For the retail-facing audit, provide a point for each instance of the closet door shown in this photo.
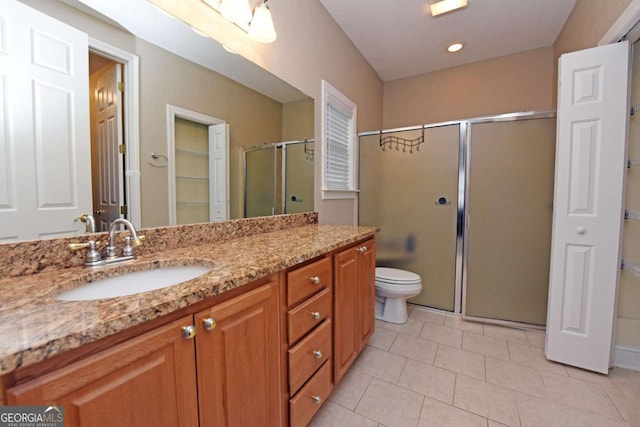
(587, 221)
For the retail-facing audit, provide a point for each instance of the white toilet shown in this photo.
(393, 287)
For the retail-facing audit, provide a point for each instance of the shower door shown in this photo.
(410, 191)
(260, 182)
(509, 213)
(298, 177)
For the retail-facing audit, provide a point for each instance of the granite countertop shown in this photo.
(35, 326)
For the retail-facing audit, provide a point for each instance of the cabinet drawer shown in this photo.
(306, 281)
(304, 405)
(307, 356)
(308, 315)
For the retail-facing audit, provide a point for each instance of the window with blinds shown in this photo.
(340, 149)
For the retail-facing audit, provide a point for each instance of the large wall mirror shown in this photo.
(191, 92)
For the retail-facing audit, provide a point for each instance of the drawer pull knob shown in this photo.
(317, 354)
(316, 399)
(209, 323)
(315, 280)
(362, 249)
(188, 332)
(315, 315)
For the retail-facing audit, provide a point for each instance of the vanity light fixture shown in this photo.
(455, 47)
(258, 24)
(438, 7)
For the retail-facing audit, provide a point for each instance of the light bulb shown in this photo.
(237, 11)
(261, 28)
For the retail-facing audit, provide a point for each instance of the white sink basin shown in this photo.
(133, 283)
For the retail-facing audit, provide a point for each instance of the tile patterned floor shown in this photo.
(438, 370)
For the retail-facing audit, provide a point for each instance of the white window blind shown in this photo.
(338, 171)
(339, 145)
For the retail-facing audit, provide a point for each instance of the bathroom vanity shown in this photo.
(261, 339)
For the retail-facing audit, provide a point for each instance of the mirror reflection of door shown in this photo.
(107, 153)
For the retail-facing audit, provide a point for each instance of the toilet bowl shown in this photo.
(393, 287)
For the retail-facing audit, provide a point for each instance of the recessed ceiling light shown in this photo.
(455, 47)
(444, 6)
(200, 33)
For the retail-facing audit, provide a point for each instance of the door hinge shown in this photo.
(121, 86)
(123, 210)
(122, 149)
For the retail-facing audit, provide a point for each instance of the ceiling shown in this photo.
(400, 38)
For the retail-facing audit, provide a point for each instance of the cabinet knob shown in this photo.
(362, 249)
(317, 354)
(315, 280)
(316, 399)
(209, 323)
(315, 315)
(188, 332)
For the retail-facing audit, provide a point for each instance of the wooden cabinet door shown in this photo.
(238, 360)
(345, 312)
(367, 299)
(149, 380)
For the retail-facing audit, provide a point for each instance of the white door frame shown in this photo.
(131, 100)
(623, 24)
(174, 113)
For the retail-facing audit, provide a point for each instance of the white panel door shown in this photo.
(588, 205)
(45, 125)
(218, 172)
(108, 127)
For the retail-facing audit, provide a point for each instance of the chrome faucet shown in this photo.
(93, 258)
(112, 251)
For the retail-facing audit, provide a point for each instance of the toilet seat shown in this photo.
(396, 277)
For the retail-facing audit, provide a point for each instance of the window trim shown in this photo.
(330, 95)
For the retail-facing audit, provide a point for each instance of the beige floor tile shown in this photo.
(628, 406)
(462, 361)
(506, 334)
(438, 414)
(427, 316)
(390, 405)
(541, 412)
(380, 364)
(456, 322)
(627, 380)
(412, 327)
(600, 421)
(488, 346)
(332, 415)
(380, 323)
(496, 424)
(351, 388)
(428, 380)
(414, 348)
(382, 338)
(515, 377)
(584, 375)
(536, 339)
(488, 400)
(580, 394)
(442, 335)
(533, 357)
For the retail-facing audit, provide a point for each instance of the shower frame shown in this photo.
(283, 170)
(464, 184)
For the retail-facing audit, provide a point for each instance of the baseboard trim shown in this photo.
(626, 357)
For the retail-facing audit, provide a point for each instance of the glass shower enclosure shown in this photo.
(467, 205)
(278, 178)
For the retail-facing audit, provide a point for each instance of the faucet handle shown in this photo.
(92, 257)
(141, 239)
(77, 246)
